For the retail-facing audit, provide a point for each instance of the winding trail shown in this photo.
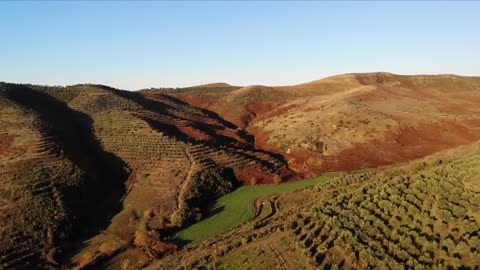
(188, 177)
(132, 180)
(259, 204)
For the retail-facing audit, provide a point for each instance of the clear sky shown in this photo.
(133, 45)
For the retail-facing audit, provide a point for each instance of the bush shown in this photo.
(205, 187)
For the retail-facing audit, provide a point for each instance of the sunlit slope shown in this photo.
(135, 157)
(354, 120)
(422, 215)
(115, 174)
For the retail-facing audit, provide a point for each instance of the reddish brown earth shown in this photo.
(135, 157)
(7, 140)
(427, 114)
(146, 147)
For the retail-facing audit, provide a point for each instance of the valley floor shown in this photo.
(235, 208)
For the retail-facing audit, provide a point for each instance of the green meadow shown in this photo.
(236, 208)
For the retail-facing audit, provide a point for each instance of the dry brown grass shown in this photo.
(390, 117)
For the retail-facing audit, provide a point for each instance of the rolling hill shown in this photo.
(418, 215)
(133, 158)
(353, 121)
(93, 176)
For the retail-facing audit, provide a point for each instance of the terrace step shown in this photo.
(22, 260)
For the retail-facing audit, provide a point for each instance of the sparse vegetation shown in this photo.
(409, 216)
(107, 177)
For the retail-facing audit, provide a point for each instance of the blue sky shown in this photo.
(133, 45)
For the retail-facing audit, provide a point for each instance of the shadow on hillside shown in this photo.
(209, 114)
(212, 211)
(180, 242)
(72, 131)
(250, 139)
(163, 108)
(219, 141)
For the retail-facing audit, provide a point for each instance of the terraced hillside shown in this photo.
(93, 176)
(422, 215)
(51, 172)
(352, 121)
(154, 150)
(28, 194)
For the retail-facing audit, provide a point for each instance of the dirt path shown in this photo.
(259, 203)
(183, 187)
(131, 180)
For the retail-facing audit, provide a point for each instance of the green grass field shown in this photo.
(236, 208)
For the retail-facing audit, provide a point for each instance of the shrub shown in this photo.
(204, 188)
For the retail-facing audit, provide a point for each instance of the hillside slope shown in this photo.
(419, 215)
(52, 171)
(140, 159)
(353, 121)
(94, 176)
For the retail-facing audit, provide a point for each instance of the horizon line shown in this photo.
(242, 86)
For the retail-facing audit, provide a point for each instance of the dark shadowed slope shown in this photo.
(54, 173)
(162, 145)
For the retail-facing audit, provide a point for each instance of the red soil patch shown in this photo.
(216, 104)
(254, 175)
(264, 110)
(194, 133)
(405, 144)
(6, 142)
(203, 101)
(240, 114)
(409, 141)
(475, 123)
(200, 101)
